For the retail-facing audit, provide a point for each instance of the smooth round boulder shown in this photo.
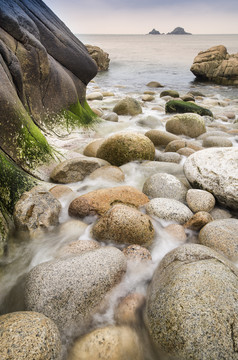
(176, 145)
(91, 149)
(108, 343)
(154, 84)
(124, 224)
(216, 141)
(216, 171)
(172, 93)
(122, 148)
(111, 117)
(98, 202)
(222, 236)
(165, 186)
(200, 200)
(147, 97)
(168, 157)
(61, 191)
(28, 335)
(192, 305)
(76, 169)
(96, 95)
(69, 290)
(188, 124)
(78, 247)
(169, 209)
(159, 137)
(36, 210)
(128, 106)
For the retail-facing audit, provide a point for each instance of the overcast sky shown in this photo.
(140, 16)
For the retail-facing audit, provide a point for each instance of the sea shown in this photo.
(136, 60)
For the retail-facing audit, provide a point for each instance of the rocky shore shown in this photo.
(125, 244)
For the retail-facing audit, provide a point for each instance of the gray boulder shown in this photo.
(28, 335)
(192, 305)
(216, 171)
(70, 290)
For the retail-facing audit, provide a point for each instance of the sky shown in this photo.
(141, 16)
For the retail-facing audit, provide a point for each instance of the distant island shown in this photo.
(177, 31)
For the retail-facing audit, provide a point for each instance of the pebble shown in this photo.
(200, 200)
(137, 253)
(94, 96)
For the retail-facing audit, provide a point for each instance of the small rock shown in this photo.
(169, 209)
(168, 157)
(219, 214)
(78, 247)
(94, 96)
(171, 93)
(147, 97)
(154, 84)
(60, 191)
(150, 121)
(92, 148)
(109, 173)
(159, 137)
(165, 186)
(111, 117)
(123, 224)
(185, 151)
(216, 141)
(198, 220)
(76, 169)
(72, 229)
(177, 232)
(200, 200)
(175, 145)
(137, 253)
(28, 335)
(222, 236)
(111, 342)
(128, 106)
(126, 312)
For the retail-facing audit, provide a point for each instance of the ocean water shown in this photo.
(137, 59)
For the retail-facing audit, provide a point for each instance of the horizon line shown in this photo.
(76, 33)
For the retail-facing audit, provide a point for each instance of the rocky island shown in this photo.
(178, 31)
(154, 32)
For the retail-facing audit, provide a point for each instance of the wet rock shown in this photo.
(175, 145)
(29, 336)
(92, 148)
(200, 200)
(216, 65)
(154, 84)
(222, 236)
(109, 173)
(177, 232)
(216, 171)
(123, 224)
(137, 253)
(36, 210)
(60, 191)
(171, 93)
(111, 117)
(165, 186)
(4, 233)
(127, 106)
(147, 97)
(76, 169)
(213, 133)
(72, 229)
(168, 157)
(198, 220)
(78, 247)
(99, 56)
(121, 148)
(127, 310)
(52, 288)
(191, 310)
(179, 106)
(111, 342)
(159, 137)
(94, 96)
(187, 97)
(191, 125)
(150, 121)
(219, 214)
(99, 201)
(169, 209)
(185, 151)
(216, 141)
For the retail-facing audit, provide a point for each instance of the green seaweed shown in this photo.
(13, 182)
(79, 115)
(179, 106)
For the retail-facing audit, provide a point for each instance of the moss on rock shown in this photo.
(179, 106)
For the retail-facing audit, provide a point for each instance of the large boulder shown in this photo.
(28, 335)
(124, 224)
(98, 202)
(216, 65)
(192, 305)
(44, 70)
(69, 290)
(122, 148)
(99, 56)
(216, 171)
(188, 124)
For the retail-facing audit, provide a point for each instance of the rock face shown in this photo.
(222, 236)
(69, 290)
(216, 65)
(122, 148)
(191, 125)
(44, 70)
(111, 342)
(179, 31)
(99, 56)
(99, 201)
(191, 310)
(216, 171)
(29, 336)
(123, 224)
